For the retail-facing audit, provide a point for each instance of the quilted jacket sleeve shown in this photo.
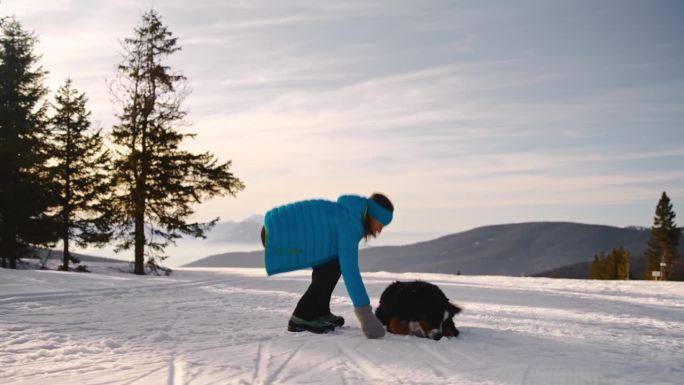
(349, 265)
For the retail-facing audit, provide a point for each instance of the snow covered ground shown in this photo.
(228, 326)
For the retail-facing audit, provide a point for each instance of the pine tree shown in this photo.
(622, 263)
(602, 270)
(25, 194)
(664, 240)
(595, 272)
(81, 173)
(610, 266)
(156, 182)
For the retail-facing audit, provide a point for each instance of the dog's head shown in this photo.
(434, 326)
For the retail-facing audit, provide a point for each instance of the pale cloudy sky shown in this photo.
(465, 113)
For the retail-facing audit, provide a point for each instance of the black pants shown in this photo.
(316, 300)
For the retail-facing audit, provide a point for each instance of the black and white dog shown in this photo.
(417, 308)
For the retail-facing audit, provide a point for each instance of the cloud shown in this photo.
(458, 105)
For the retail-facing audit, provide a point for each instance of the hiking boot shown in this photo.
(317, 326)
(332, 319)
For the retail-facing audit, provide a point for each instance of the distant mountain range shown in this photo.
(246, 231)
(511, 249)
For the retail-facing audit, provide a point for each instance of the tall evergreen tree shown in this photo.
(609, 266)
(25, 195)
(621, 258)
(81, 173)
(156, 181)
(664, 241)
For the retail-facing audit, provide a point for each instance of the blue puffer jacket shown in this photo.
(309, 233)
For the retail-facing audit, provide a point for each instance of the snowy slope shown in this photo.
(227, 326)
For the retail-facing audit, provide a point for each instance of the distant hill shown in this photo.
(233, 259)
(511, 249)
(578, 270)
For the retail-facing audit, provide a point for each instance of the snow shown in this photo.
(228, 326)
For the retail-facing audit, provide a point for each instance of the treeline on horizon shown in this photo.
(63, 180)
(662, 256)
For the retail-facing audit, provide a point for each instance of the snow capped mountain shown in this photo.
(245, 231)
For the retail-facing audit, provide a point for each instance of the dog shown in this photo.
(417, 308)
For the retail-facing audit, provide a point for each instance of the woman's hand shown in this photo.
(370, 325)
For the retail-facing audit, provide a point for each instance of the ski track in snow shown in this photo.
(228, 326)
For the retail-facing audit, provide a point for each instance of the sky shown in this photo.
(464, 113)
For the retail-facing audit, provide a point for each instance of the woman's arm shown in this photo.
(349, 265)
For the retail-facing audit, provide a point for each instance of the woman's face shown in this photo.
(375, 226)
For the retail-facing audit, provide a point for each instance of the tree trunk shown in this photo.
(140, 201)
(12, 251)
(9, 246)
(67, 200)
(139, 240)
(3, 250)
(3, 253)
(66, 256)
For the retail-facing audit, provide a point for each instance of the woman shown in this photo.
(325, 235)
